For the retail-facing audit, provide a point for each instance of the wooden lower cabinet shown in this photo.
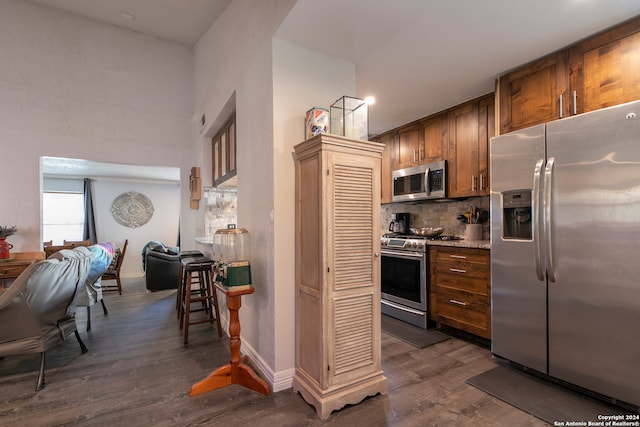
(460, 289)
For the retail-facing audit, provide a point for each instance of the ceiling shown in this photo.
(416, 57)
(77, 168)
(183, 21)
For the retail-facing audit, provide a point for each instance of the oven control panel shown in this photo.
(403, 244)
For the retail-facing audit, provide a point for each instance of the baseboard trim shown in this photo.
(278, 381)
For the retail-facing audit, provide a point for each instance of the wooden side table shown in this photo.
(235, 372)
(11, 268)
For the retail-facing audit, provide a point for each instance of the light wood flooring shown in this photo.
(138, 373)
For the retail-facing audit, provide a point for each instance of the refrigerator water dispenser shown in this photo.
(516, 207)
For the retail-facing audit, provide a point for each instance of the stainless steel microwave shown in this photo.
(421, 182)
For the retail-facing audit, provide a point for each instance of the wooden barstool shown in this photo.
(182, 255)
(198, 271)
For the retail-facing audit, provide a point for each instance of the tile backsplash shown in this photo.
(220, 209)
(436, 214)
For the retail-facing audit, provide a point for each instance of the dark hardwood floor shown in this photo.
(138, 373)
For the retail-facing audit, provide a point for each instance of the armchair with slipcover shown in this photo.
(37, 311)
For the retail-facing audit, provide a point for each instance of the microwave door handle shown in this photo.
(427, 183)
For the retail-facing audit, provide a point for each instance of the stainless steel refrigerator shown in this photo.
(565, 250)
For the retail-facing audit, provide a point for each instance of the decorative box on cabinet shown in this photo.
(337, 272)
(460, 288)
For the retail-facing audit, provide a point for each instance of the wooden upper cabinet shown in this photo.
(471, 125)
(435, 131)
(410, 146)
(389, 162)
(224, 153)
(595, 73)
(463, 150)
(486, 131)
(606, 68)
(531, 94)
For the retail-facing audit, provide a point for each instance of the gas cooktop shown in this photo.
(416, 237)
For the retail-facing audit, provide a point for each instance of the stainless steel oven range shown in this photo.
(405, 277)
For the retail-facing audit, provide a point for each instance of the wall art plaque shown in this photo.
(132, 209)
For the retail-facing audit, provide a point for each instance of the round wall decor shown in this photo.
(132, 209)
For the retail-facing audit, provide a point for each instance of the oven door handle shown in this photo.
(399, 254)
(403, 308)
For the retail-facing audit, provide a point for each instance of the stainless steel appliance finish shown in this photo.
(421, 182)
(405, 277)
(427, 231)
(565, 239)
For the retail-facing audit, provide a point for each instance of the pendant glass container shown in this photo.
(350, 118)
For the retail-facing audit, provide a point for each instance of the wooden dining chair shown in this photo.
(113, 273)
(76, 243)
(48, 250)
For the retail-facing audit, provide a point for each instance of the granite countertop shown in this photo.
(477, 244)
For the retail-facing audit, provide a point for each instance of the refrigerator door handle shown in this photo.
(548, 181)
(537, 219)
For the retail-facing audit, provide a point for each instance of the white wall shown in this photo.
(274, 84)
(72, 87)
(301, 79)
(234, 57)
(163, 225)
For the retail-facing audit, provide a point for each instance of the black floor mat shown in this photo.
(415, 336)
(543, 399)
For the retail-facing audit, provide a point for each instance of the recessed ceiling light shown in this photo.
(127, 15)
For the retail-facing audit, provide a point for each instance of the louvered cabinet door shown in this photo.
(353, 224)
(337, 272)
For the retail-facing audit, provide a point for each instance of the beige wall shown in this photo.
(233, 61)
(72, 87)
(271, 84)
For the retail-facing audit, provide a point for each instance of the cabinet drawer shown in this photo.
(11, 271)
(460, 257)
(463, 314)
(475, 287)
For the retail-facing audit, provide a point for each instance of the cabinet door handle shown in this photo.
(575, 103)
(421, 154)
(457, 270)
(458, 256)
(481, 183)
(414, 156)
(473, 183)
(454, 301)
(560, 115)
